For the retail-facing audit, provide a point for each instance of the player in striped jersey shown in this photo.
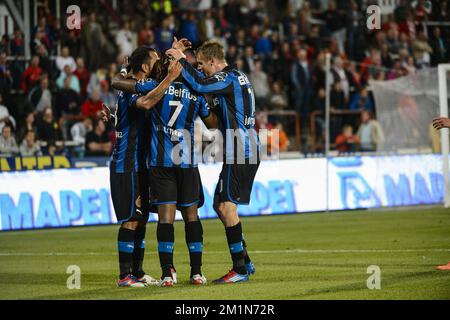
(173, 174)
(234, 96)
(128, 178)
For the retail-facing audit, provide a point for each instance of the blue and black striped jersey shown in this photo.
(234, 95)
(129, 148)
(172, 125)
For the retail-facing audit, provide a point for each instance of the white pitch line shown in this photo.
(224, 252)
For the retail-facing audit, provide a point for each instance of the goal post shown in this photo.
(443, 70)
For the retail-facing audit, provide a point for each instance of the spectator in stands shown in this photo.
(8, 144)
(124, 39)
(29, 146)
(319, 107)
(42, 33)
(335, 23)
(283, 140)
(339, 74)
(258, 79)
(5, 117)
(45, 62)
(17, 44)
(80, 130)
(40, 97)
(93, 42)
(164, 35)
(72, 40)
(32, 74)
(408, 26)
(397, 71)
(353, 76)
(301, 83)
(438, 46)
(92, 106)
(67, 73)
(97, 141)
(65, 59)
(370, 133)
(146, 37)
(232, 53)
(362, 100)
(410, 66)
(207, 26)
(404, 43)
(67, 100)
(48, 128)
(189, 29)
(249, 59)
(82, 73)
(422, 51)
(28, 124)
(6, 78)
(106, 96)
(353, 20)
(338, 101)
(264, 45)
(347, 141)
(278, 97)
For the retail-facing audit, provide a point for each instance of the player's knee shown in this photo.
(217, 208)
(131, 225)
(190, 214)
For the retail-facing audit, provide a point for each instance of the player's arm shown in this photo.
(441, 122)
(211, 121)
(120, 82)
(149, 100)
(208, 116)
(216, 84)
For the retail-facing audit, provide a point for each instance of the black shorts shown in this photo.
(174, 185)
(130, 195)
(235, 183)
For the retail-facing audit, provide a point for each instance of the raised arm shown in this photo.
(152, 98)
(218, 83)
(120, 82)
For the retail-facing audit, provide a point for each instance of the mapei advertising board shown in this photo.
(74, 197)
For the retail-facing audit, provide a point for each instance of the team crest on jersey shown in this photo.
(220, 76)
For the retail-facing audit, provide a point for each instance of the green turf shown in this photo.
(304, 256)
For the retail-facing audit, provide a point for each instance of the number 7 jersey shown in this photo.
(171, 135)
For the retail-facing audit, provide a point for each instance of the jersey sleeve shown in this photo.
(203, 110)
(219, 83)
(145, 86)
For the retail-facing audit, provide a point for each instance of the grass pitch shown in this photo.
(303, 256)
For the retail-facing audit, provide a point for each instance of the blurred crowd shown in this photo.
(281, 45)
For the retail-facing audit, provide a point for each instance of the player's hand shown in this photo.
(106, 113)
(175, 54)
(441, 122)
(182, 44)
(125, 62)
(174, 69)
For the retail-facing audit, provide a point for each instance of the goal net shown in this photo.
(405, 108)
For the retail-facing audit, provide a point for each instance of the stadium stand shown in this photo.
(281, 45)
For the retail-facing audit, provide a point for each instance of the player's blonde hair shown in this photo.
(212, 49)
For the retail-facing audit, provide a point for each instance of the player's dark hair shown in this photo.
(161, 69)
(139, 57)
